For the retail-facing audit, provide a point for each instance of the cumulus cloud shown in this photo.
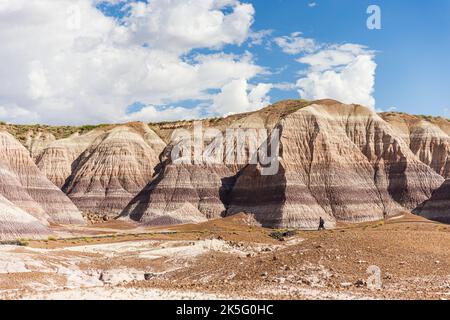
(342, 72)
(66, 62)
(261, 37)
(237, 97)
(155, 114)
(180, 26)
(295, 43)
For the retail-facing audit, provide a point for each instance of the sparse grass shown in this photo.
(19, 242)
(282, 108)
(23, 242)
(87, 128)
(51, 238)
(280, 235)
(420, 116)
(20, 132)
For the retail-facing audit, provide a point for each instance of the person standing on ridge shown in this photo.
(321, 224)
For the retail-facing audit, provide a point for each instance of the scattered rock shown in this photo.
(281, 235)
(387, 276)
(360, 283)
(149, 276)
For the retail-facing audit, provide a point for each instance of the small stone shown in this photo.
(306, 281)
(148, 276)
(360, 283)
(361, 261)
(281, 280)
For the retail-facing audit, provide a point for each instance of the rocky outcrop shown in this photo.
(339, 162)
(191, 192)
(181, 193)
(114, 169)
(57, 160)
(16, 223)
(428, 138)
(37, 141)
(22, 184)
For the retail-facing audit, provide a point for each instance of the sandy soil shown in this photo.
(232, 259)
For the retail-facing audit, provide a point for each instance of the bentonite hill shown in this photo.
(344, 163)
(106, 211)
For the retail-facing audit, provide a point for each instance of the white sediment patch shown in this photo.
(119, 293)
(66, 278)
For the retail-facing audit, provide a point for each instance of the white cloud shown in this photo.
(14, 114)
(389, 109)
(334, 56)
(312, 4)
(66, 62)
(237, 97)
(285, 86)
(179, 25)
(155, 114)
(295, 44)
(258, 38)
(342, 72)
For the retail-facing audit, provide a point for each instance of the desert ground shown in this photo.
(231, 258)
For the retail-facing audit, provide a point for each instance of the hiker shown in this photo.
(321, 224)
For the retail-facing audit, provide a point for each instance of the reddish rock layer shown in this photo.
(16, 223)
(113, 169)
(428, 139)
(26, 187)
(339, 162)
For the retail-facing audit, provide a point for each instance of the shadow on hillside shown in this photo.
(262, 196)
(136, 208)
(436, 208)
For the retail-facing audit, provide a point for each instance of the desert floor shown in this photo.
(232, 259)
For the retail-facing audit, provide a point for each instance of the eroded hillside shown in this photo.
(344, 163)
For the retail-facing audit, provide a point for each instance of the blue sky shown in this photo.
(413, 46)
(97, 61)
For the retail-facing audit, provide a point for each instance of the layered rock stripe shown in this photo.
(15, 223)
(28, 197)
(428, 138)
(339, 162)
(191, 193)
(113, 169)
(344, 163)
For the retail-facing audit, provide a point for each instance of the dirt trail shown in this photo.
(232, 258)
